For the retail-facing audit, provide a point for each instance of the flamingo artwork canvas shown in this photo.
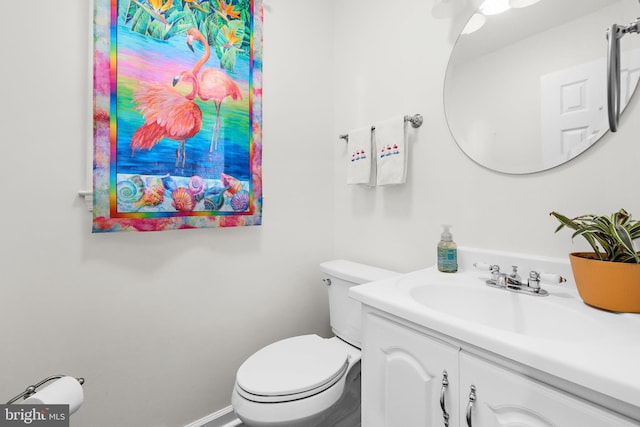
(177, 120)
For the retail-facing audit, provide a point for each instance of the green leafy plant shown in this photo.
(610, 237)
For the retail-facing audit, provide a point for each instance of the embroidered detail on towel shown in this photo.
(358, 155)
(389, 151)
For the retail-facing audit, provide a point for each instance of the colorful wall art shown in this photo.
(177, 114)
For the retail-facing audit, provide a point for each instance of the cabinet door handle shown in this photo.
(445, 384)
(472, 399)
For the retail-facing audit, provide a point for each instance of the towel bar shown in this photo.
(416, 121)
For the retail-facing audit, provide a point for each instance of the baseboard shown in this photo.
(225, 417)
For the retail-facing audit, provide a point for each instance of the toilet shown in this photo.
(301, 381)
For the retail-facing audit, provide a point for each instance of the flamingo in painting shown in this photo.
(168, 114)
(213, 84)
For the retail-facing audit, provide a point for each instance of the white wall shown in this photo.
(157, 323)
(391, 59)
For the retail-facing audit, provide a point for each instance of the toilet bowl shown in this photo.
(293, 382)
(301, 381)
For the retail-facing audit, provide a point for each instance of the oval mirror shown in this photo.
(525, 88)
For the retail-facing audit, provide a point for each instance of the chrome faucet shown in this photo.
(513, 282)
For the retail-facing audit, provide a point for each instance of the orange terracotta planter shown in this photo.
(613, 286)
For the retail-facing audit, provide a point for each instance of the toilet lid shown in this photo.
(292, 366)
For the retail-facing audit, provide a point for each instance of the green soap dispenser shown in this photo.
(447, 252)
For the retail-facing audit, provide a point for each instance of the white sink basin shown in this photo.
(534, 316)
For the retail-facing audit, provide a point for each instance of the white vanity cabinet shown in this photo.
(504, 398)
(402, 385)
(402, 376)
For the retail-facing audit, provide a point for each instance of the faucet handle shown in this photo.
(485, 267)
(493, 268)
(535, 278)
(551, 278)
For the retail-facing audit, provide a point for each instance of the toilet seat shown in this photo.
(293, 368)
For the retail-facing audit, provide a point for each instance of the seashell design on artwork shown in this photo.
(198, 186)
(183, 200)
(214, 198)
(234, 184)
(169, 183)
(153, 193)
(240, 201)
(130, 190)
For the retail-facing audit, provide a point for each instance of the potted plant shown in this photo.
(608, 277)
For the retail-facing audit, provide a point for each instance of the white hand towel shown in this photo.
(360, 157)
(391, 151)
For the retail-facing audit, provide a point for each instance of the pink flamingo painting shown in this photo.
(168, 114)
(213, 84)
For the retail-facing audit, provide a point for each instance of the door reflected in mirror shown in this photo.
(526, 91)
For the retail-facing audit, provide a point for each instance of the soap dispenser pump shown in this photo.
(447, 252)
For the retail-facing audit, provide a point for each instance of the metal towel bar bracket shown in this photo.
(416, 121)
(32, 388)
(614, 34)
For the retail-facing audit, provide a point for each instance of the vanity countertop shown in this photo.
(557, 334)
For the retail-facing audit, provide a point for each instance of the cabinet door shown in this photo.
(504, 398)
(402, 376)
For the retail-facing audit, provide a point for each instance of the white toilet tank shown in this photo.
(344, 312)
